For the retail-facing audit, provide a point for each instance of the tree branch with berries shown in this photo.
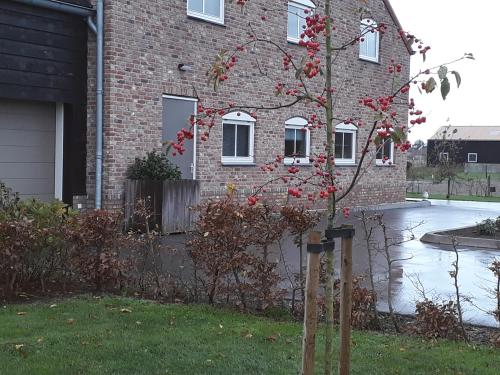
(295, 85)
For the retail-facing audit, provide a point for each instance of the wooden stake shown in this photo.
(345, 306)
(310, 308)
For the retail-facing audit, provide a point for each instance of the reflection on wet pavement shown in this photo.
(430, 263)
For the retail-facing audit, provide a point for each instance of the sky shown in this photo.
(452, 28)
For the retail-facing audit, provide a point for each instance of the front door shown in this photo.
(176, 113)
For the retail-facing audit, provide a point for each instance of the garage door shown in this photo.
(27, 147)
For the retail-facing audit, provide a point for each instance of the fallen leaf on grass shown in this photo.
(272, 338)
(39, 340)
(21, 313)
(125, 310)
(246, 334)
(20, 349)
(52, 306)
(138, 323)
(70, 321)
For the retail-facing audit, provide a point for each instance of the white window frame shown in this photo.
(206, 17)
(368, 22)
(241, 119)
(442, 158)
(390, 160)
(299, 123)
(469, 157)
(301, 4)
(347, 128)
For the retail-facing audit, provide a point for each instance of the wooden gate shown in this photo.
(170, 203)
(179, 197)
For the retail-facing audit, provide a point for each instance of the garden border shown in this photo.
(440, 237)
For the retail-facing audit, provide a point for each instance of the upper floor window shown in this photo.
(237, 138)
(209, 10)
(297, 13)
(385, 153)
(297, 141)
(369, 42)
(345, 144)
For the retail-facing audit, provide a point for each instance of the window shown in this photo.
(297, 141)
(297, 18)
(209, 10)
(443, 157)
(472, 157)
(237, 138)
(385, 153)
(369, 43)
(345, 144)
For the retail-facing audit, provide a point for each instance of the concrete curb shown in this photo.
(441, 238)
(393, 206)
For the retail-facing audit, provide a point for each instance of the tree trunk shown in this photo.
(368, 235)
(457, 291)
(331, 198)
(389, 284)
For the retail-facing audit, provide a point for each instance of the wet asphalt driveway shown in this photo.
(430, 262)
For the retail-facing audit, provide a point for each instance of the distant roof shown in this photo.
(468, 133)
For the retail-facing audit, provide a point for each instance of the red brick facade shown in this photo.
(146, 40)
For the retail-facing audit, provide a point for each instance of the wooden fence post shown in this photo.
(345, 304)
(310, 308)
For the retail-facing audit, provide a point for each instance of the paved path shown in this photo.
(432, 263)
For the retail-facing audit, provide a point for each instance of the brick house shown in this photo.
(156, 53)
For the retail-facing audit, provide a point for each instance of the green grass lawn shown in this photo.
(124, 336)
(470, 198)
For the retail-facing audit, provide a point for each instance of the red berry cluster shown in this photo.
(315, 26)
(394, 68)
(405, 146)
(252, 200)
(419, 120)
(346, 211)
(295, 192)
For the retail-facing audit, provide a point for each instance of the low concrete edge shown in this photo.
(393, 206)
(440, 238)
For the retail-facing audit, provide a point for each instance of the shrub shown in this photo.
(154, 166)
(487, 227)
(98, 253)
(229, 249)
(32, 243)
(498, 223)
(437, 320)
(7, 197)
(363, 301)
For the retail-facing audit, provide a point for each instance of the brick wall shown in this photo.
(145, 40)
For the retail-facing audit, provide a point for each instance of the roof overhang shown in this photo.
(394, 17)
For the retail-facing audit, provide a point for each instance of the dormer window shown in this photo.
(297, 13)
(369, 41)
(208, 10)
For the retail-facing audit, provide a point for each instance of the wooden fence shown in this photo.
(170, 202)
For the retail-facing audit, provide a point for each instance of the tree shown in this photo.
(307, 81)
(444, 155)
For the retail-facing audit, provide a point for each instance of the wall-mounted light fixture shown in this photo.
(185, 67)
